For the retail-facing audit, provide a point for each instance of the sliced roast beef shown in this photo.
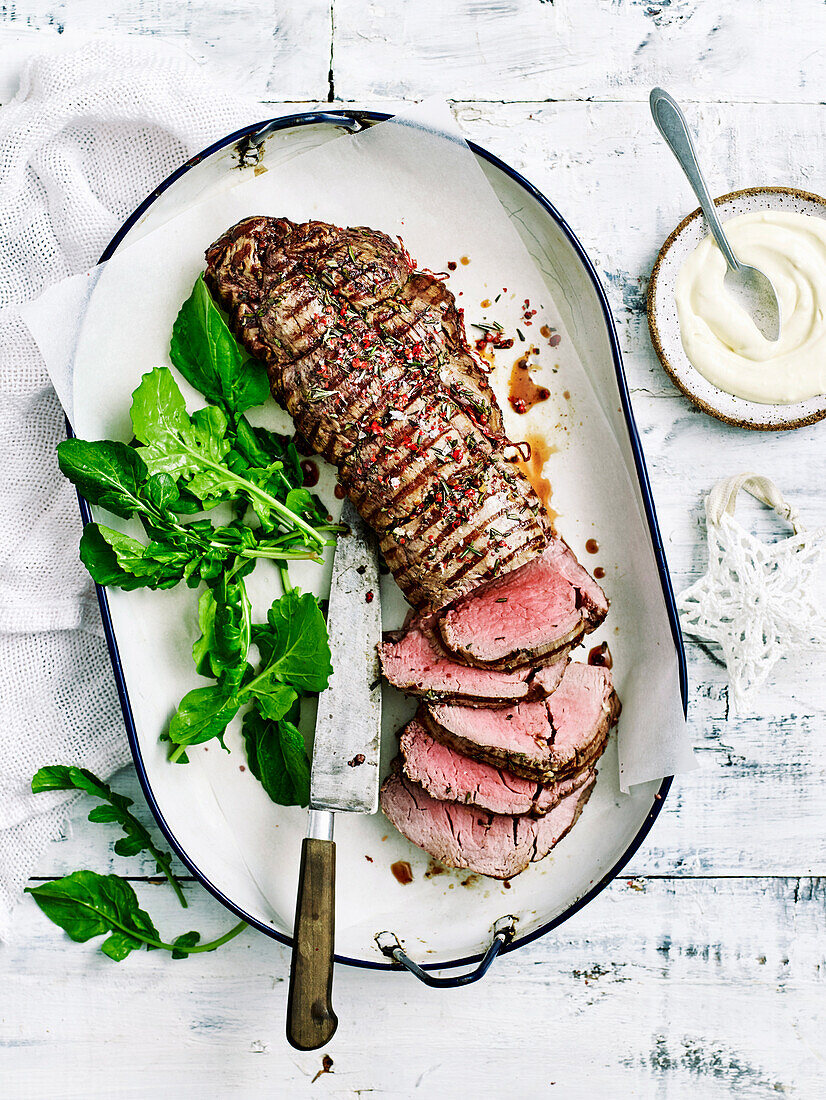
(414, 661)
(370, 358)
(497, 845)
(526, 615)
(541, 741)
(451, 777)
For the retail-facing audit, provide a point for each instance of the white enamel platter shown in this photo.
(242, 847)
(665, 327)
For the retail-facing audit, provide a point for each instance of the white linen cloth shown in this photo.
(88, 136)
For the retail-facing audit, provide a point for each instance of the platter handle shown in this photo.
(503, 932)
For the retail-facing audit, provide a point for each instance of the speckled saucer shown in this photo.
(665, 328)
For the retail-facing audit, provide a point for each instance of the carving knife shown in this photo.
(344, 776)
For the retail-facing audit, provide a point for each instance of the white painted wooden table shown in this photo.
(700, 973)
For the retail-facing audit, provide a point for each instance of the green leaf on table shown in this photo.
(277, 757)
(136, 838)
(211, 359)
(107, 473)
(293, 644)
(188, 939)
(86, 904)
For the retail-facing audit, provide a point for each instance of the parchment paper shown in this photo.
(415, 177)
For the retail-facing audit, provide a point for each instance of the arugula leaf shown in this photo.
(197, 448)
(106, 473)
(86, 904)
(117, 559)
(275, 700)
(202, 714)
(224, 616)
(277, 757)
(174, 442)
(158, 410)
(202, 647)
(59, 777)
(210, 358)
(187, 940)
(301, 501)
(293, 644)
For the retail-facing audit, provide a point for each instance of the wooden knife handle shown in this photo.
(311, 1021)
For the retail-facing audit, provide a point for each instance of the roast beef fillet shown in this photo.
(370, 358)
(541, 741)
(414, 660)
(451, 777)
(497, 845)
(527, 615)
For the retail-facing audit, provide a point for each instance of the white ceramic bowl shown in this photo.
(665, 328)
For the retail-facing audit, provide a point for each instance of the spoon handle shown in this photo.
(671, 123)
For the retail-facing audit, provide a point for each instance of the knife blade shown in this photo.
(344, 776)
(345, 770)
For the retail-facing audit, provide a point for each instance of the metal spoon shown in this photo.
(749, 287)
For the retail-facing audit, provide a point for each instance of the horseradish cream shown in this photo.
(720, 339)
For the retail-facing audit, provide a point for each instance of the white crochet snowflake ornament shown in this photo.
(756, 599)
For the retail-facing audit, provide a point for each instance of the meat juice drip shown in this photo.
(599, 573)
(541, 451)
(601, 655)
(339, 493)
(592, 546)
(310, 471)
(523, 392)
(402, 872)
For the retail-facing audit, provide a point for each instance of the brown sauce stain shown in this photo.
(327, 1064)
(434, 868)
(601, 655)
(310, 472)
(339, 492)
(592, 546)
(599, 572)
(485, 303)
(541, 451)
(545, 331)
(464, 260)
(402, 871)
(486, 352)
(523, 392)
(471, 880)
(566, 394)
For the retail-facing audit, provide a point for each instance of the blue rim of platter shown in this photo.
(362, 119)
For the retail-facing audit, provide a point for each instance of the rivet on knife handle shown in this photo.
(311, 1021)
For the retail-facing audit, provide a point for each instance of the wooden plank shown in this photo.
(280, 51)
(577, 49)
(661, 988)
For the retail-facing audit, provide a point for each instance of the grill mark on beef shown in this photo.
(342, 310)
